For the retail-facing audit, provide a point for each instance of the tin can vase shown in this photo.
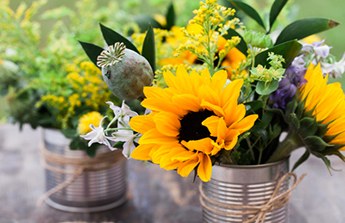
(100, 185)
(234, 189)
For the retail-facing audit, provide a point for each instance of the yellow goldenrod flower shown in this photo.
(192, 120)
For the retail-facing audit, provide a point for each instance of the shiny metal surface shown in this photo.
(244, 185)
(91, 191)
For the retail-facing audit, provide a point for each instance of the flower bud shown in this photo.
(125, 72)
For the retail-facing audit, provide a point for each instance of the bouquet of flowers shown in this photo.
(226, 94)
(48, 81)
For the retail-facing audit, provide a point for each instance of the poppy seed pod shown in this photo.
(125, 72)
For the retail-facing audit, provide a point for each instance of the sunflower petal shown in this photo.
(142, 152)
(205, 167)
(167, 123)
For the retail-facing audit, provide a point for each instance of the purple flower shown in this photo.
(293, 79)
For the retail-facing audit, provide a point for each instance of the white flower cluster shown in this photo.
(319, 53)
(122, 133)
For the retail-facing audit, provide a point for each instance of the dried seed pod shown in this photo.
(125, 71)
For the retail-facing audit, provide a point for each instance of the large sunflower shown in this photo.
(192, 120)
(326, 102)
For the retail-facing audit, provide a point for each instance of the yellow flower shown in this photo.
(232, 59)
(326, 101)
(192, 120)
(86, 120)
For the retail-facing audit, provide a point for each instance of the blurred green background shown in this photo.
(332, 9)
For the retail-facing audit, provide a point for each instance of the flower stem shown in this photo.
(284, 149)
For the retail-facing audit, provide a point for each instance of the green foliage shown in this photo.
(248, 10)
(303, 28)
(149, 49)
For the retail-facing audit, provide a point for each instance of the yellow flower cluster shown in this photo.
(205, 31)
(86, 90)
(91, 118)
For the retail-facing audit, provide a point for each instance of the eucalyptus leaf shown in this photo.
(305, 27)
(170, 16)
(275, 10)
(250, 11)
(111, 37)
(288, 50)
(266, 88)
(91, 50)
(301, 160)
(242, 46)
(149, 51)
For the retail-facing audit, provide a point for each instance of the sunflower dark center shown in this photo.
(191, 127)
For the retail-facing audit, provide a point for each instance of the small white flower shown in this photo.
(124, 111)
(128, 137)
(97, 135)
(317, 48)
(336, 69)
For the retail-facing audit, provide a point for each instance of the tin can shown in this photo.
(243, 185)
(91, 191)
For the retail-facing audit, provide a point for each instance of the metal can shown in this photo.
(91, 191)
(243, 185)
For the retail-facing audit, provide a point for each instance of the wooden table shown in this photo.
(155, 195)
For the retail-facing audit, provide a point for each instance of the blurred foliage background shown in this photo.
(299, 9)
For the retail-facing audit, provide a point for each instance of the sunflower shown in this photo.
(192, 120)
(325, 102)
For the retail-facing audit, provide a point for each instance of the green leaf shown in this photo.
(111, 37)
(144, 21)
(119, 145)
(293, 121)
(149, 51)
(315, 143)
(91, 50)
(242, 46)
(308, 127)
(170, 17)
(91, 151)
(259, 132)
(69, 133)
(300, 109)
(77, 144)
(291, 107)
(253, 106)
(303, 28)
(248, 10)
(322, 129)
(265, 120)
(301, 160)
(275, 131)
(266, 88)
(288, 50)
(275, 10)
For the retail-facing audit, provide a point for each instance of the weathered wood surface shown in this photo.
(155, 195)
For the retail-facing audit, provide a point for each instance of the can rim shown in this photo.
(253, 166)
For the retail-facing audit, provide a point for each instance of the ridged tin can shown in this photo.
(91, 191)
(245, 186)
